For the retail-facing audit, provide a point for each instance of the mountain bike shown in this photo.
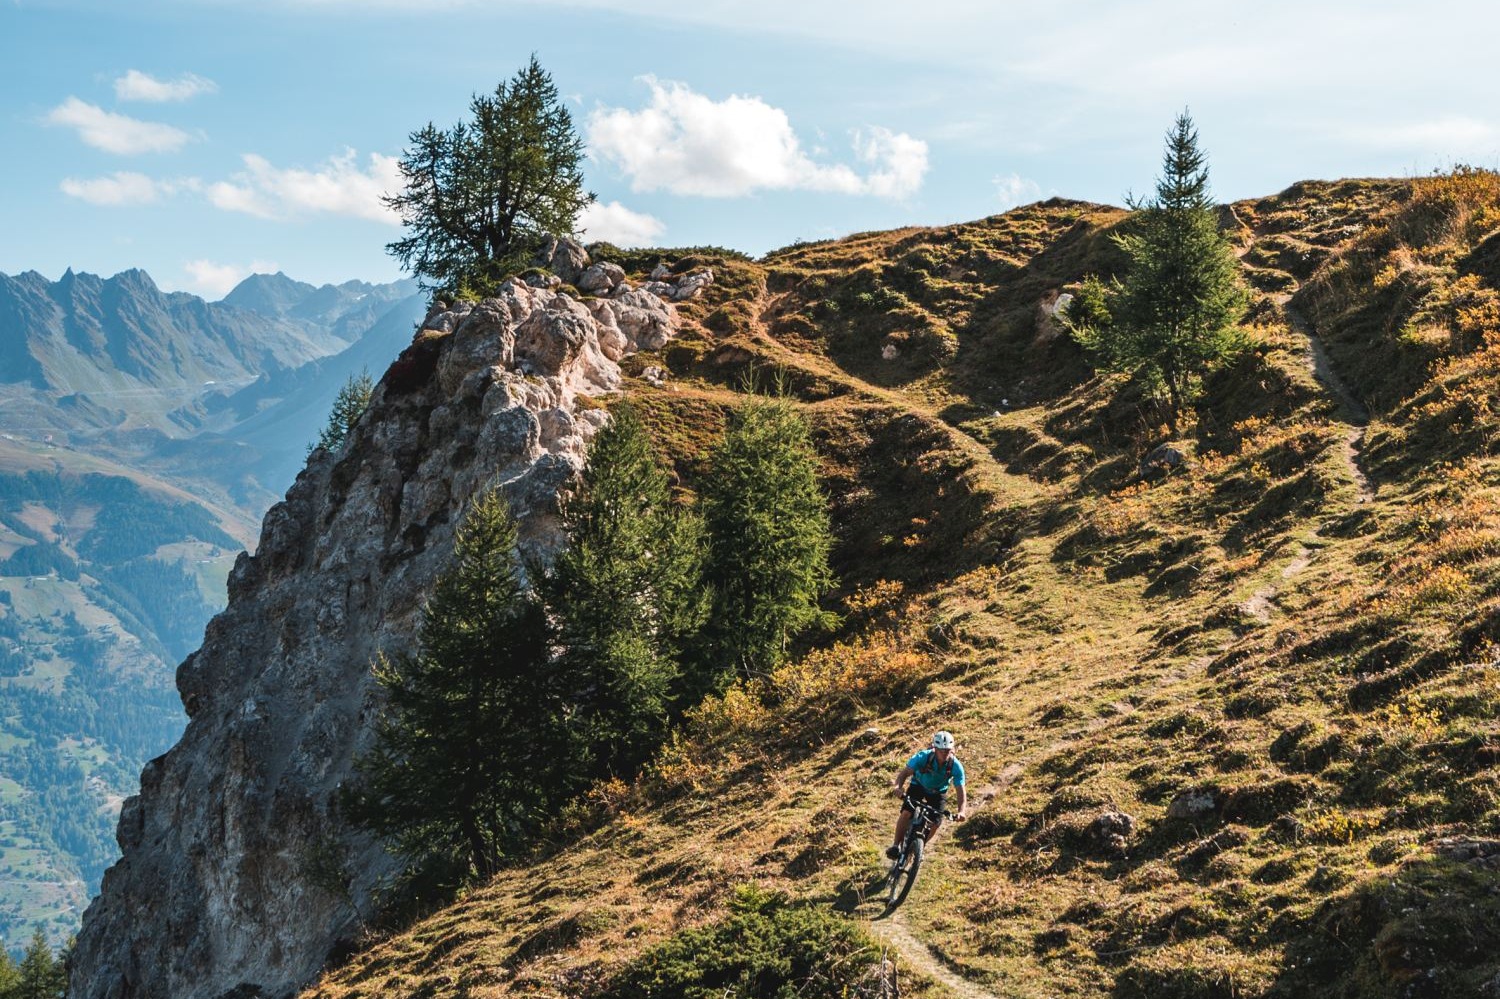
(909, 860)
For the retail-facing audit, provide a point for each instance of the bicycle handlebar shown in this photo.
(907, 799)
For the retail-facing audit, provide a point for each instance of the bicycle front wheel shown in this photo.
(903, 876)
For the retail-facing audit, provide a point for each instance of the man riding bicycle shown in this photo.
(931, 771)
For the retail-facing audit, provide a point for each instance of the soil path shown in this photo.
(1354, 412)
(984, 471)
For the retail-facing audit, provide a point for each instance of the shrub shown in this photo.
(766, 948)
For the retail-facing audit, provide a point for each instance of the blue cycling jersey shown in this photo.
(934, 776)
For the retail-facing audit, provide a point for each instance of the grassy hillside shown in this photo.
(1230, 730)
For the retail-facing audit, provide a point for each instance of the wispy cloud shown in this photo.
(214, 280)
(138, 86)
(1451, 135)
(337, 187)
(116, 133)
(1013, 190)
(120, 188)
(614, 223)
(687, 143)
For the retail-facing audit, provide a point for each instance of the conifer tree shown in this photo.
(348, 406)
(627, 595)
(10, 975)
(1173, 314)
(769, 536)
(478, 197)
(41, 974)
(472, 743)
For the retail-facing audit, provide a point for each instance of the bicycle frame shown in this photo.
(909, 855)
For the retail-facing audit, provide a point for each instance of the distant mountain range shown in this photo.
(143, 434)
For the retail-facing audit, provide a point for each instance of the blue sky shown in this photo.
(206, 139)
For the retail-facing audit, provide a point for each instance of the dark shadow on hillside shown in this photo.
(1431, 930)
(903, 507)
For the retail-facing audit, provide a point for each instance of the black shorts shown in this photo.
(916, 792)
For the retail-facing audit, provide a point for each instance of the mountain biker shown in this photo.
(931, 772)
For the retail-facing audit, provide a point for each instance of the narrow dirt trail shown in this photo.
(984, 471)
(1353, 411)
(1355, 414)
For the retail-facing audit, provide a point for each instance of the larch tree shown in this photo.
(348, 406)
(480, 197)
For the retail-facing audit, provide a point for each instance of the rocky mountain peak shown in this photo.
(224, 888)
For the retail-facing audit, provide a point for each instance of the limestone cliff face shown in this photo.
(237, 877)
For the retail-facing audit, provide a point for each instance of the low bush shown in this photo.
(766, 949)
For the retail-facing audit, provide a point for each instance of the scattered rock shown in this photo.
(1195, 803)
(1467, 850)
(889, 352)
(654, 375)
(1112, 831)
(1163, 459)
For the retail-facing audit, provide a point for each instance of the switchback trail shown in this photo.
(984, 472)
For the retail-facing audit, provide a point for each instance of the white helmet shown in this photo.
(942, 740)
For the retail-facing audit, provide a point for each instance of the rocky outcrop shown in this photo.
(238, 877)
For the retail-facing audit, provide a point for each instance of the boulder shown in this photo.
(563, 257)
(1163, 459)
(1112, 831)
(551, 338)
(600, 278)
(692, 285)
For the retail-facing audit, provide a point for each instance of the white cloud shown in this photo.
(1016, 190)
(614, 223)
(1449, 136)
(338, 187)
(686, 143)
(120, 188)
(900, 162)
(138, 86)
(213, 281)
(116, 133)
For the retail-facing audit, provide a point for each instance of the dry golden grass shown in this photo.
(1320, 671)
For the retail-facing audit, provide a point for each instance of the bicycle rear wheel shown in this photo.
(902, 876)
